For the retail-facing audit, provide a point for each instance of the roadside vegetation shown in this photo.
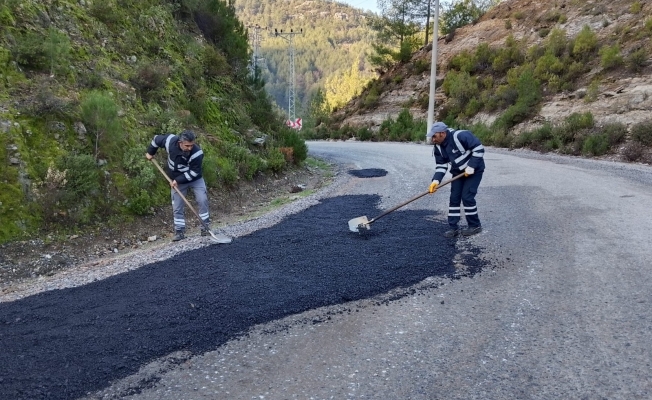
(84, 86)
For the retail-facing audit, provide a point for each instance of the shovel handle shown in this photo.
(181, 195)
(417, 197)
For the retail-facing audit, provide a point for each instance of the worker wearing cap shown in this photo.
(464, 152)
(185, 171)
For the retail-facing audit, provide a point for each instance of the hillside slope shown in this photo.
(84, 86)
(612, 93)
(333, 38)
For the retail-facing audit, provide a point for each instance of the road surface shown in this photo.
(559, 305)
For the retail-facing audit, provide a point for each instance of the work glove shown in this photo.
(433, 187)
(468, 171)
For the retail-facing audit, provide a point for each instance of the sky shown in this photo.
(370, 5)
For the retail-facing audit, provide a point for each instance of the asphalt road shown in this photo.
(558, 307)
(564, 311)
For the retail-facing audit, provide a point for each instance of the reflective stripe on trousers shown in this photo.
(178, 206)
(463, 192)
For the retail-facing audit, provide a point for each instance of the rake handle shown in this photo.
(180, 194)
(417, 197)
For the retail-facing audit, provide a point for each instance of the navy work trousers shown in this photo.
(463, 192)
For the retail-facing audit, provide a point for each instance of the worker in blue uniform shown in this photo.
(464, 153)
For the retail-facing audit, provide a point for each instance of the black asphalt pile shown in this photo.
(64, 344)
(367, 173)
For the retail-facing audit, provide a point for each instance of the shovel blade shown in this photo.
(220, 239)
(356, 224)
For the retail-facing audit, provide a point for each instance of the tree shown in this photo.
(99, 112)
(458, 13)
(395, 33)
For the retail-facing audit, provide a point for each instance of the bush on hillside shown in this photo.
(636, 60)
(150, 79)
(585, 43)
(610, 57)
(615, 132)
(642, 132)
(632, 151)
(595, 145)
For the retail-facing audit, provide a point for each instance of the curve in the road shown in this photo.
(63, 344)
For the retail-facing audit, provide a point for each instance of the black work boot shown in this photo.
(471, 230)
(178, 235)
(205, 227)
(453, 232)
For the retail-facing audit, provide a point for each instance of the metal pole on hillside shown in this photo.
(433, 68)
(289, 37)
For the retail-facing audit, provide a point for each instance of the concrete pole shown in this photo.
(433, 69)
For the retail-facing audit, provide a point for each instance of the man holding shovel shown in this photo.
(464, 152)
(184, 168)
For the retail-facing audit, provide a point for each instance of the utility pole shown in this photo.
(255, 37)
(433, 68)
(289, 37)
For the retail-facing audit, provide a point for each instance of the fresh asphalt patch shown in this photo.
(368, 172)
(64, 344)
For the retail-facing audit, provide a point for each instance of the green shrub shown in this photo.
(510, 55)
(421, 66)
(529, 95)
(99, 113)
(106, 12)
(28, 51)
(547, 66)
(227, 171)
(482, 132)
(508, 24)
(364, 134)
(143, 179)
(150, 79)
(463, 61)
(636, 60)
(610, 57)
(275, 160)
(636, 7)
(542, 136)
(290, 138)
(214, 63)
(81, 190)
(556, 43)
(578, 121)
(585, 43)
(484, 57)
(615, 132)
(592, 91)
(642, 132)
(371, 99)
(595, 145)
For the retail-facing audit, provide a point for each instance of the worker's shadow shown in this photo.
(66, 343)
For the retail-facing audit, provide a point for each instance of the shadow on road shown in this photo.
(63, 344)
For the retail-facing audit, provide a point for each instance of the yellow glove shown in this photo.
(468, 171)
(433, 187)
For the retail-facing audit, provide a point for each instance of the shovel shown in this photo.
(363, 223)
(222, 239)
